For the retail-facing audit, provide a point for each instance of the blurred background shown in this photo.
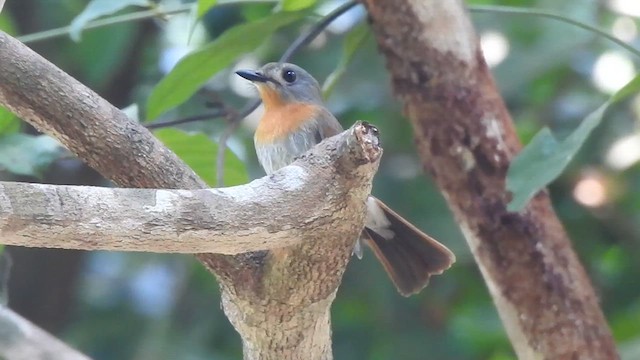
(145, 306)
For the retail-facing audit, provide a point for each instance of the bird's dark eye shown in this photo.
(289, 75)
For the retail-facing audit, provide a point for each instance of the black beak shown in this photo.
(253, 76)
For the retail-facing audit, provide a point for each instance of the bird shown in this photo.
(296, 119)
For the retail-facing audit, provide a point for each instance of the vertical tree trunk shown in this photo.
(466, 141)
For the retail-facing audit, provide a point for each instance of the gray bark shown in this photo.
(278, 300)
(234, 220)
(22, 340)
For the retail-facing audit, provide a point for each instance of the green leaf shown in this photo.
(352, 42)
(204, 6)
(7, 23)
(544, 158)
(29, 155)
(98, 8)
(199, 152)
(197, 67)
(630, 88)
(295, 5)
(9, 123)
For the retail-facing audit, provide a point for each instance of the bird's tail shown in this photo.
(408, 255)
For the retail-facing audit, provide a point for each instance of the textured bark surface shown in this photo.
(252, 217)
(21, 340)
(278, 300)
(466, 140)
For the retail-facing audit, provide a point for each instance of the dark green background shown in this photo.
(143, 306)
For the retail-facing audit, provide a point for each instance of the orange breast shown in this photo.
(280, 120)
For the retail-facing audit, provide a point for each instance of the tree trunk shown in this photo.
(466, 141)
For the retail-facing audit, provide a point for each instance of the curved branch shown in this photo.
(86, 124)
(234, 220)
(22, 340)
(277, 300)
(513, 10)
(189, 119)
(315, 30)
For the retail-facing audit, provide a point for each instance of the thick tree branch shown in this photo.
(466, 139)
(62, 107)
(235, 220)
(22, 340)
(277, 300)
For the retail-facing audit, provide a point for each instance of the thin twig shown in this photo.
(315, 30)
(297, 44)
(194, 118)
(130, 17)
(222, 148)
(234, 118)
(543, 13)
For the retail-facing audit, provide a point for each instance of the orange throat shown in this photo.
(280, 118)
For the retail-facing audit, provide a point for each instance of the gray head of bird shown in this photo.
(284, 83)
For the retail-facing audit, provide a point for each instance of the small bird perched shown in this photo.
(295, 120)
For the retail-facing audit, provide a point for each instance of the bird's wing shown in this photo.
(328, 125)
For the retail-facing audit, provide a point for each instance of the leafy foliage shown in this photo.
(544, 158)
(196, 68)
(9, 123)
(199, 152)
(27, 154)
(352, 43)
(295, 5)
(99, 8)
(166, 306)
(204, 6)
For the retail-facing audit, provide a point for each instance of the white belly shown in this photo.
(281, 153)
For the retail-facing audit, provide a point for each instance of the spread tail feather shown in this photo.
(408, 255)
